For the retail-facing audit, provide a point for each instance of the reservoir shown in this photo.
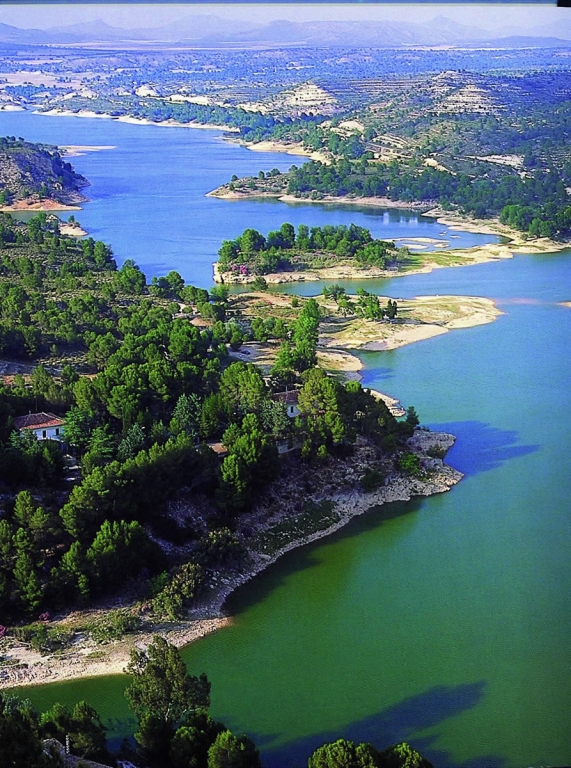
(442, 621)
(148, 193)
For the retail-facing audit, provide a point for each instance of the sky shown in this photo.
(491, 16)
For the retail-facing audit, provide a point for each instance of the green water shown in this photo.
(443, 621)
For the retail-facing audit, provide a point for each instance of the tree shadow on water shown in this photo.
(481, 447)
(391, 726)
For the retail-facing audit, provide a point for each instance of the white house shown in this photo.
(45, 426)
(289, 399)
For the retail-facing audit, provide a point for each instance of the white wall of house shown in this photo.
(48, 433)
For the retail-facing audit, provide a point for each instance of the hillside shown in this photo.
(35, 173)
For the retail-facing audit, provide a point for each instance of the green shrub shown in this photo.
(43, 638)
(371, 480)
(410, 464)
(259, 284)
(179, 591)
(114, 626)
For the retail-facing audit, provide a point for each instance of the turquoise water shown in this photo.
(443, 621)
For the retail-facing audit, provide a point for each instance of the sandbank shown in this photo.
(43, 205)
(71, 230)
(421, 318)
(77, 150)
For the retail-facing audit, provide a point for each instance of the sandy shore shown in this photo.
(57, 112)
(223, 193)
(75, 662)
(175, 124)
(376, 202)
(71, 230)
(284, 148)
(518, 243)
(44, 205)
(77, 150)
(421, 318)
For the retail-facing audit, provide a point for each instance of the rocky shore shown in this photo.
(22, 666)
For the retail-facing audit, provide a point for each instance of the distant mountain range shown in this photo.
(211, 30)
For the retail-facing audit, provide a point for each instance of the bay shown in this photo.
(442, 621)
(148, 194)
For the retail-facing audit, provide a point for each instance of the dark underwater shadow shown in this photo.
(391, 726)
(370, 359)
(480, 447)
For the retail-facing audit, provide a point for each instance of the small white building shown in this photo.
(45, 426)
(289, 399)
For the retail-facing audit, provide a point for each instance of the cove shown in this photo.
(443, 621)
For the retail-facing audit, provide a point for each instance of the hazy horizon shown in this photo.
(488, 17)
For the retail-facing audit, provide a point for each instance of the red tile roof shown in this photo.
(218, 448)
(289, 398)
(38, 421)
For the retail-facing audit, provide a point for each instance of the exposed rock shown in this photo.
(35, 172)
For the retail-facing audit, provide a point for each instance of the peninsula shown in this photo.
(346, 253)
(37, 177)
(207, 433)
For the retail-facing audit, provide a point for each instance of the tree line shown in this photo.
(286, 248)
(151, 392)
(536, 203)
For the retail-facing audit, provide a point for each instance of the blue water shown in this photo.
(443, 621)
(148, 194)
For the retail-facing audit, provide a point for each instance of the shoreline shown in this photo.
(517, 243)
(170, 123)
(282, 147)
(43, 205)
(479, 254)
(438, 315)
(453, 257)
(209, 615)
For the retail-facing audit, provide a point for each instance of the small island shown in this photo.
(345, 253)
(286, 255)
